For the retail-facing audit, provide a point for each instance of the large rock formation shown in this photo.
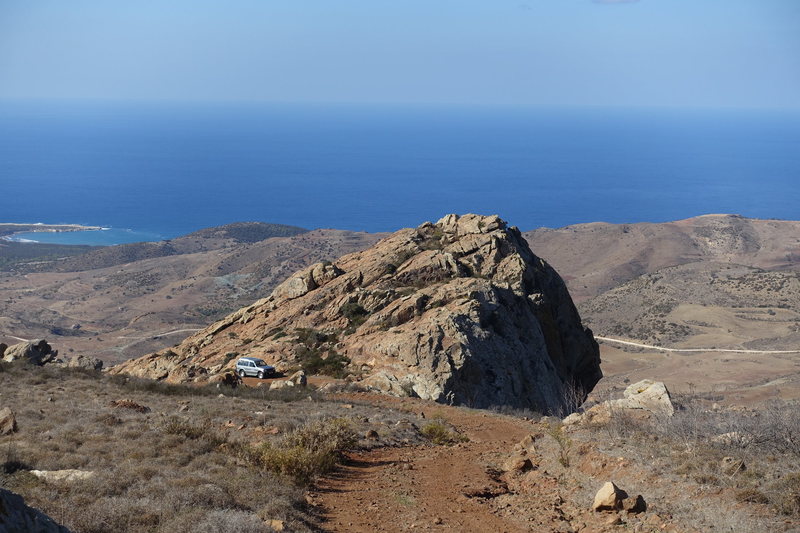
(460, 311)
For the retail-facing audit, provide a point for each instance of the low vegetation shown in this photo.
(190, 459)
(440, 432)
(753, 453)
(307, 452)
(316, 355)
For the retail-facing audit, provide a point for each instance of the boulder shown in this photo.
(226, 379)
(15, 515)
(609, 498)
(8, 422)
(85, 362)
(281, 384)
(649, 395)
(299, 378)
(37, 352)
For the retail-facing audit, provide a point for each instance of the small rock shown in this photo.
(731, 465)
(614, 520)
(634, 505)
(518, 463)
(183, 408)
(608, 498)
(277, 525)
(129, 404)
(8, 422)
(732, 438)
(371, 434)
(66, 476)
(347, 406)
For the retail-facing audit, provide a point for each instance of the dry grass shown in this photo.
(440, 432)
(753, 454)
(180, 466)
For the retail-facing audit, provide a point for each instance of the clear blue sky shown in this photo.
(740, 53)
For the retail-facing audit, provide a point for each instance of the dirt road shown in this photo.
(425, 487)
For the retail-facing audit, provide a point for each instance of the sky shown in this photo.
(686, 53)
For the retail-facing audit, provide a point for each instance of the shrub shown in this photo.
(556, 431)
(309, 451)
(438, 432)
(355, 315)
(785, 494)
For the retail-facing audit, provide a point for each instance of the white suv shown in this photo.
(253, 366)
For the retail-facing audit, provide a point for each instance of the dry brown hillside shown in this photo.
(716, 282)
(599, 256)
(122, 301)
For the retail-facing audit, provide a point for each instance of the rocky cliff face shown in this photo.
(460, 311)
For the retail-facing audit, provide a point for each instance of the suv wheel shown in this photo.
(260, 374)
(241, 373)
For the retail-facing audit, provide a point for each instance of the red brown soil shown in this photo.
(470, 487)
(461, 487)
(424, 487)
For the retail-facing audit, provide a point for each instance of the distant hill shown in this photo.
(125, 298)
(248, 231)
(599, 256)
(200, 241)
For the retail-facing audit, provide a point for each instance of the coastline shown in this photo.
(12, 228)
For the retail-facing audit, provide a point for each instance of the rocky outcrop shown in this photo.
(16, 516)
(460, 311)
(37, 352)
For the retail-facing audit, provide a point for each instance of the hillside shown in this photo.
(599, 256)
(714, 281)
(460, 311)
(122, 301)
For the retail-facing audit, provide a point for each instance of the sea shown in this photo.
(148, 171)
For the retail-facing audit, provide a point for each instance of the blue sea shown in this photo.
(158, 170)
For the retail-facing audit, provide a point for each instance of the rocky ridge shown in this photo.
(460, 311)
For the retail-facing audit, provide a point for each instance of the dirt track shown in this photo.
(424, 487)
